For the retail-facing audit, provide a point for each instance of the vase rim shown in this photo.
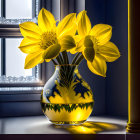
(66, 65)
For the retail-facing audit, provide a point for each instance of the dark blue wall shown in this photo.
(96, 12)
(111, 93)
(117, 75)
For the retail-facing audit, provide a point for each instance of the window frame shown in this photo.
(16, 99)
(13, 31)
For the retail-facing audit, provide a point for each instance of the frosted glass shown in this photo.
(15, 59)
(18, 9)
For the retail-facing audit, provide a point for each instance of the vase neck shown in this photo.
(66, 66)
(66, 73)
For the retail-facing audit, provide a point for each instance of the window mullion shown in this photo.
(9, 31)
(3, 8)
(3, 57)
(33, 8)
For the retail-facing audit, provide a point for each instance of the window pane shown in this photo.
(15, 59)
(19, 9)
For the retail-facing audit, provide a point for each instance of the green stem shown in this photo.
(75, 58)
(65, 57)
(54, 62)
(79, 59)
(70, 75)
(58, 60)
(61, 58)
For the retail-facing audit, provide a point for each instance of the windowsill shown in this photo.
(41, 125)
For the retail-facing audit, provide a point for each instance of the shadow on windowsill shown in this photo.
(90, 127)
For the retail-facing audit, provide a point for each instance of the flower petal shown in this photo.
(46, 20)
(29, 41)
(52, 52)
(72, 51)
(109, 51)
(98, 66)
(88, 43)
(30, 29)
(30, 48)
(47, 60)
(80, 46)
(84, 24)
(67, 26)
(89, 54)
(67, 42)
(29, 45)
(33, 59)
(89, 51)
(77, 38)
(102, 32)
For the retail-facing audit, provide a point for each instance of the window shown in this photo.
(18, 59)
(23, 10)
(12, 63)
(12, 72)
(19, 88)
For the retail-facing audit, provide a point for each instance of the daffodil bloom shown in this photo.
(95, 45)
(46, 40)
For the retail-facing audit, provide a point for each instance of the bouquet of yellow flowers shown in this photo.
(52, 40)
(66, 98)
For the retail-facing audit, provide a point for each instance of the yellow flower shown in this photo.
(46, 41)
(95, 45)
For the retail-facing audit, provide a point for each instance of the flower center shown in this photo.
(91, 41)
(48, 39)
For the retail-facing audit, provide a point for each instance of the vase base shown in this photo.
(67, 122)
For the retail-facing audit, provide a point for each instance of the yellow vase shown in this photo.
(66, 97)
